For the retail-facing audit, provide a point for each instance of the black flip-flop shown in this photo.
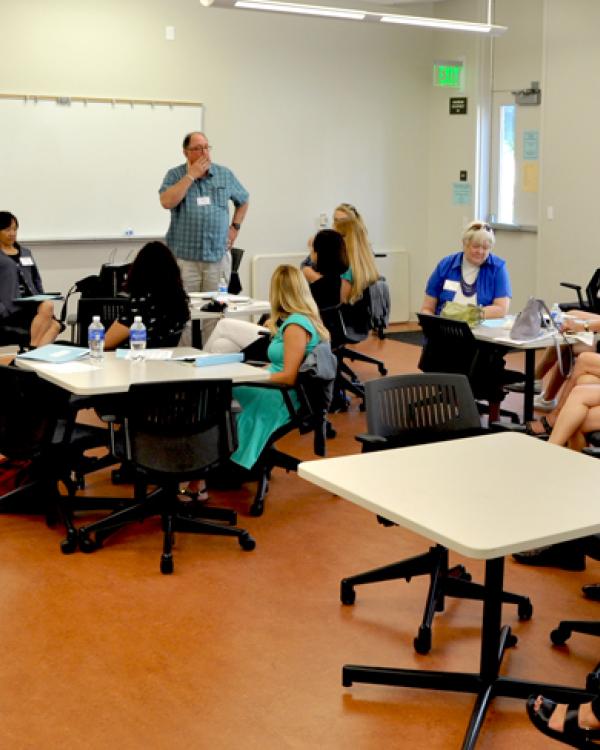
(572, 734)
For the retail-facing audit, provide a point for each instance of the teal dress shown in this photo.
(263, 410)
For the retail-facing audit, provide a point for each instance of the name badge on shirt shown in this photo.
(203, 200)
(451, 286)
(26, 261)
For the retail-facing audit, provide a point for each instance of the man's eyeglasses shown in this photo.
(199, 148)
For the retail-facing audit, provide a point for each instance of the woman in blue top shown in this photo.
(473, 276)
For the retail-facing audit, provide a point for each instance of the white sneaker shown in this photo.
(541, 404)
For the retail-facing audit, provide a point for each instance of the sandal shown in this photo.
(194, 496)
(572, 734)
(545, 433)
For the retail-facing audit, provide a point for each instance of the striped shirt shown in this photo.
(199, 224)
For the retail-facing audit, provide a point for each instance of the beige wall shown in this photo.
(307, 112)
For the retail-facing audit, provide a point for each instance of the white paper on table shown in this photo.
(70, 367)
(148, 354)
(519, 342)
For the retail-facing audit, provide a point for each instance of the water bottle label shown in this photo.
(96, 334)
(138, 336)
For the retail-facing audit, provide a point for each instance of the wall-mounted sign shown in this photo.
(458, 105)
(461, 193)
(448, 74)
(531, 145)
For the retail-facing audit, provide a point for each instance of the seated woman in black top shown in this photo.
(19, 277)
(157, 295)
(329, 261)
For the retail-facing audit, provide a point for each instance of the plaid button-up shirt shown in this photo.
(199, 224)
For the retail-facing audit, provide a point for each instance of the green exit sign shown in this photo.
(448, 74)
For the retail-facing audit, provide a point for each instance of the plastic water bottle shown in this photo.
(557, 315)
(137, 338)
(96, 339)
(222, 289)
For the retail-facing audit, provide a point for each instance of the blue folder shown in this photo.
(55, 353)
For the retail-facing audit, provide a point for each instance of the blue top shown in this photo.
(492, 280)
(199, 223)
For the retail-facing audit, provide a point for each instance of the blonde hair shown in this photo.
(478, 230)
(360, 256)
(290, 294)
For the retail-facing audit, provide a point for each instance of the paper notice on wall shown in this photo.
(461, 193)
(531, 145)
(530, 177)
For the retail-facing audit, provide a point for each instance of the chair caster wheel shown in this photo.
(347, 593)
(362, 406)
(559, 636)
(422, 642)
(525, 610)
(86, 544)
(69, 545)
(383, 371)
(511, 641)
(257, 508)
(592, 682)
(166, 564)
(330, 431)
(247, 543)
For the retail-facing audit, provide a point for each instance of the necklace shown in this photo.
(469, 288)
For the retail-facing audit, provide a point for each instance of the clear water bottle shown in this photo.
(557, 315)
(96, 339)
(137, 338)
(222, 289)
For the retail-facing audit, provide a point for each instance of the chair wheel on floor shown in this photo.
(166, 564)
(257, 508)
(422, 642)
(247, 543)
(347, 593)
(87, 544)
(69, 545)
(382, 370)
(525, 610)
(559, 636)
(460, 572)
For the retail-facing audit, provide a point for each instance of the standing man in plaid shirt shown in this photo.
(200, 234)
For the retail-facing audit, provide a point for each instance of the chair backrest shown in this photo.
(29, 412)
(180, 427)
(333, 320)
(592, 291)
(235, 285)
(112, 278)
(451, 347)
(421, 408)
(108, 308)
(358, 318)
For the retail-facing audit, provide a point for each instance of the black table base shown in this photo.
(487, 683)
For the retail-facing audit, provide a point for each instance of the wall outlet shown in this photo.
(170, 33)
(323, 221)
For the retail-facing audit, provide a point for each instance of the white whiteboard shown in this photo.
(89, 170)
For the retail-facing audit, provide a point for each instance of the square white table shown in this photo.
(484, 497)
(84, 378)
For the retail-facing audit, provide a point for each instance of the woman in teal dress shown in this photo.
(297, 328)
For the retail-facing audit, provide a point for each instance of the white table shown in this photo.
(233, 310)
(484, 497)
(113, 375)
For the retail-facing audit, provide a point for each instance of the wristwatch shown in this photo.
(236, 226)
(586, 325)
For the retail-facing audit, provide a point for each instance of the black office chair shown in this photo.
(171, 433)
(36, 425)
(408, 410)
(108, 308)
(451, 347)
(359, 320)
(314, 397)
(591, 301)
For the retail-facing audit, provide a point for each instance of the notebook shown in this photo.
(55, 353)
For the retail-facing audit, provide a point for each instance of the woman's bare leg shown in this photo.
(44, 327)
(580, 414)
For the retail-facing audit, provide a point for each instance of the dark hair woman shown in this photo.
(19, 277)
(157, 295)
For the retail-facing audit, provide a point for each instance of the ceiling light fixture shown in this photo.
(308, 10)
(357, 14)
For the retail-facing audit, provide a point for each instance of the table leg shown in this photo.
(487, 684)
(529, 384)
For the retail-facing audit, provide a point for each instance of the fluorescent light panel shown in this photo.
(309, 10)
(437, 23)
(359, 15)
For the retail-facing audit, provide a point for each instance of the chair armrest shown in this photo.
(507, 427)
(371, 442)
(575, 288)
(592, 450)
